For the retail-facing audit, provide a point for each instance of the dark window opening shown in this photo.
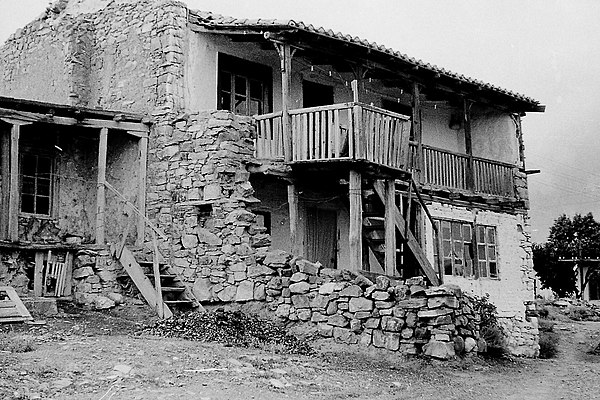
(263, 219)
(316, 94)
(244, 87)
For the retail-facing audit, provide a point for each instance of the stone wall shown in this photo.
(95, 281)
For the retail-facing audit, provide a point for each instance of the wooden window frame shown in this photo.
(25, 151)
(252, 73)
(483, 253)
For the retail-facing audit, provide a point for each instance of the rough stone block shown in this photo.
(308, 267)
(407, 333)
(304, 314)
(440, 301)
(357, 304)
(276, 257)
(255, 271)
(337, 320)
(227, 294)
(384, 304)
(259, 292)
(283, 310)
(413, 303)
(83, 272)
(379, 295)
(362, 314)
(392, 341)
(372, 323)
(318, 317)
(300, 301)
(439, 350)
(352, 291)
(434, 313)
(393, 324)
(332, 308)
(378, 338)
(189, 241)
(459, 345)
(319, 301)
(382, 283)
(327, 288)
(207, 237)
(300, 287)
(355, 325)
(299, 277)
(343, 335)
(325, 329)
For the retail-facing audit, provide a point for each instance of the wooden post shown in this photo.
(101, 189)
(356, 223)
(468, 145)
(160, 305)
(357, 132)
(13, 196)
(5, 189)
(517, 119)
(285, 56)
(141, 198)
(390, 228)
(417, 131)
(294, 219)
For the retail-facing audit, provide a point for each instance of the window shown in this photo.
(487, 251)
(459, 254)
(36, 183)
(244, 87)
(456, 245)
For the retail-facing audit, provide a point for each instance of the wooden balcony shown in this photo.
(348, 131)
(446, 169)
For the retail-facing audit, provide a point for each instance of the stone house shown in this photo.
(239, 144)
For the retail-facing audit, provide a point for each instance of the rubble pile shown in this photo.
(232, 328)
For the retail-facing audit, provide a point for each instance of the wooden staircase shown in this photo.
(174, 294)
(405, 244)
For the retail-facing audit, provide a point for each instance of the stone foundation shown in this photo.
(521, 335)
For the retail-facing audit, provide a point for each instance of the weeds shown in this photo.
(16, 344)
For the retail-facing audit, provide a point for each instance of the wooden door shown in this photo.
(321, 236)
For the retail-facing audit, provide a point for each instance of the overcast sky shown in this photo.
(548, 50)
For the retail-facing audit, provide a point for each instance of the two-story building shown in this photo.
(352, 154)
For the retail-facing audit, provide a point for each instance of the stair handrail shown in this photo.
(433, 225)
(137, 211)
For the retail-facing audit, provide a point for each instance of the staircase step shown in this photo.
(376, 235)
(178, 302)
(373, 221)
(175, 289)
(150, 263)
(166, 276)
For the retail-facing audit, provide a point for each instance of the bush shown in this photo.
(548, 344)
(16, 344)
(489, 329)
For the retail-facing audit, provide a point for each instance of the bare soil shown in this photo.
(97, 355)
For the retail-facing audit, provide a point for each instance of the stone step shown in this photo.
(173, 289)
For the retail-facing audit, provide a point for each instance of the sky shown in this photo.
(545, 49)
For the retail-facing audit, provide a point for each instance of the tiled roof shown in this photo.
(216, 21)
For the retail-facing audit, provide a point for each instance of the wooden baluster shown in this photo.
(324, 136)
(336, 133)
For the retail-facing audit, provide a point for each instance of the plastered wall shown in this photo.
(515, 282)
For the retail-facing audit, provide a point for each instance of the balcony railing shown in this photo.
(446, 169)
(349, 131)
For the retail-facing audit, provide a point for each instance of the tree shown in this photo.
(574, 239)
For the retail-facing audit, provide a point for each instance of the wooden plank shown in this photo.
(5, 173)
(13, 195)
(324, 134)
(305, 138)
(9, 312)
(337, 140)
(330, 135)
(308, 110)
(47, 273)
(390, 228)
(135, 272)
(411, 241)
(137, 129)
(470, 178)
(417, 129)
(14, 297)
(285, 55)
(38, 273)
(294, 219)
(310, 133)
(355, 234)
(68, 274)
(6, 304)
(101, 189)
(160, 305)
(141, 195)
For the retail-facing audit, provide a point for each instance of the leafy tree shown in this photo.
(570, 239)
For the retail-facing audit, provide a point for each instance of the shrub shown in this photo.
(16, 344)
(489, 329)
(548, 344)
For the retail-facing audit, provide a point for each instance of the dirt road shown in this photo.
(92, 355)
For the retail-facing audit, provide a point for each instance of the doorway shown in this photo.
(322, 236)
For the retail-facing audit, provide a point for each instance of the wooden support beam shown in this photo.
(141, 198)
(5, 188)
(356, 223)
(411, 241)
(390, 228)
(470, 175)
(13, 196)
(101, 189)
(285, 56)
(294, 220)
(417, 130)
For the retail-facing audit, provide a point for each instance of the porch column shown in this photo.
(470, 175)
(355, 234)
(141, 198)
(295, 241)
(390, 227)
(285, 56)
(10, 182)
(417, 130)
(101, 189)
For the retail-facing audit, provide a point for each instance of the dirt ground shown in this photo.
(96, 355)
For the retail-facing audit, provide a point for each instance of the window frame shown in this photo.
(252, 73)
(472, 245)
(28, 150)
